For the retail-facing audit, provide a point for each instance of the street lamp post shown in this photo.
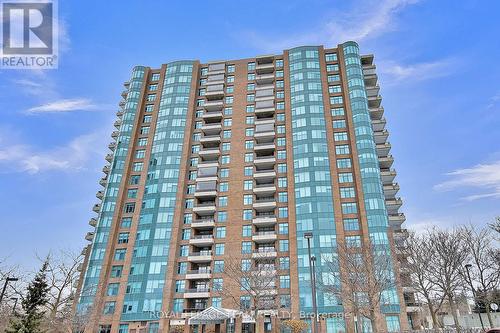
(312, 260)
(467, 268)
(7, 280)
(15, 299)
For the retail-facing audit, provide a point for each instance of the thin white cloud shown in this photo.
(63, 105)
(417, 72)
(485, 177)
(493, 101)
(73, 156)
(365, 20)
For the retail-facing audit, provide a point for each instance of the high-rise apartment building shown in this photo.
(217, 173)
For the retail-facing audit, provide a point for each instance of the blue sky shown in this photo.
(438, 71)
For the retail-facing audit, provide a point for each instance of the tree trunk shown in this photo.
(359, 327)
(435, 322)
(373, 321)
(488, 313)
(454, 313)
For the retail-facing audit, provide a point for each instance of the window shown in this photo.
(129, 207)
(332, 68)
(283, 228)
(188, 218)
(249, 132)
(280, 106)
(285, 301)
(340, 136)
(204, 71)
(282, 182)
(151, 97)
(279, 73)
(280, 84)
(283, 212)
(280, 129)
(245, 303)
(343, 163)
(247, 214)
(251, 76)
(182, 268)
(223, 187)
(145, 130)
(251, 66)
(126, 222)
(178, 305)
(337, 112)
(342, 149)
(280, 94)
(250, 120)
(155, 77)
(219, 249)
(142, 142)
(225, 159)
(349, 208)
(281, 168)
(250, 86)
(227, 122)
(217, 302)
(250, 108)
(283, 245)
(353, 241)
(116, 271)
(137, 166)
(228, 111)
(333, 78)
(222, 202)
(221, 216)
(120, 254)
(132, 193)
(279, 63)
(224, 173)
(339, 124)
(247, 231)
(345, 177)
(282, 197)
(247, 199)
(226, 134)
(281, 154)
(393, 324)
(334, 89)
(140, 153)
(347, 192)
(331, 57)
(248, 145)
(246, 247)
(284, 263)
(246, 265)
(351, 224)
(250, 97)
(336, 100)
(112, 289)
(180, 286)
(104, 329)
(149, 108)
(230, 68)
(217, 284)
(123, 237)
(285, 281)
(226, 146)
(220, 232)
(186, 233)
(218, 266)
(109, 308)
(123, 328)
(247, 184)
(153, 87)
(230, 79)
(248, 171)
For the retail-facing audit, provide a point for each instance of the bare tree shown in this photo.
(495, 226)
(449, 254)
(484, 269)
(419, 252)
(367, 275)
(256, 279)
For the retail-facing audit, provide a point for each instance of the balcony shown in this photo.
(197, 293)
(93, 222)
(376, 113)
(264, 161)
(109, 157)
(214, 91)
(264, 236)
(115, 134)
(118, 123)
(97, 208)
(112, 146)
(203, 256)
(264, 220)
(210, 139)
(90, 236)
(205, 193)
(264, 253)
(380, 137)
(386, 162)
(393, 205)
(79, 268)
(103, 181)
(264, 136)
(370, 75)
(372, 91)
(216, 105)
(390, 190)
(205, 208)
(106, 169)
(378, 125)
(265, 175)
(264, 59)
(264, 78)
(203, 224)
(383, 149)
(209, 153)
(388, 176)
(265, 147)
(216, 68)
(99, 194)
(264, 189)
(202, 240)
(264, 204)
(211, 129)
(121, 104)
(119, 113)
(264, 68)
(124, 94)
(396, 220)
(215, 79)
(199, 274)
(84, 251)
(212, 116)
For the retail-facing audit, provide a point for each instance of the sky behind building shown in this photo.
(437, 72)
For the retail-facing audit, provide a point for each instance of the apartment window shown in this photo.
(248, 145)
(281, 129)
(247, 231)
(218, 266)
(283, 228)
(129, 207)
(331, 57)
(153, 87)
(279, 63)
(149, 108)
(251, 66)
(280, 142)
(225, 159)
(196, 136)
(247, 214)
(349, 208)
(283, 245)
(246, 265)
(285, 281)
(353, 241)
(339, 124)
(186, 234)
(334, 89)
(250, 120)
(180, 286)
(249, 132)
(281, 168)
(285, 301)
(221, 216)
(202, 92)
(226, 134)
(155, 77)
(340, 136)
(109, 308)
(132, 193)
(198, 124)
(227, 122)
(228, 111)
(337, 112)
(282, 197)
(112, 289)
(178, 305)
(220, 232)
(140, 153)
(343, 163)
(246, 247)
(224, 173)
(120, 254)
(151, 97)
(204, 71)
(145, 130)
(336, 100)
(217, 302)
(142, 141)
(222, 201)
(247, 185)
(245, 303)
(183, 250)
(230, 79)
(230, 68)
(347, 192)
(126, 222)
(282, 182)
(123, 237)
(189, 203)
(279, 73)
(345, 177)
(284, 263)
(250, 108)
(333, 78)
(283, 212)
(280, 94)
(188, 218)
(219, 249)
(223, 187)
(342, 149)
(226, 146)
(250, 86)
(247, 199)
(138, 166)
(250, 97)
(280, 84)
(116, 271)
(332, 68)
(251, 76)
(281, 154)
(229, 89)
(200, 102)
(192, 175)
(351, 224)
(280, 106)
(248, 171)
